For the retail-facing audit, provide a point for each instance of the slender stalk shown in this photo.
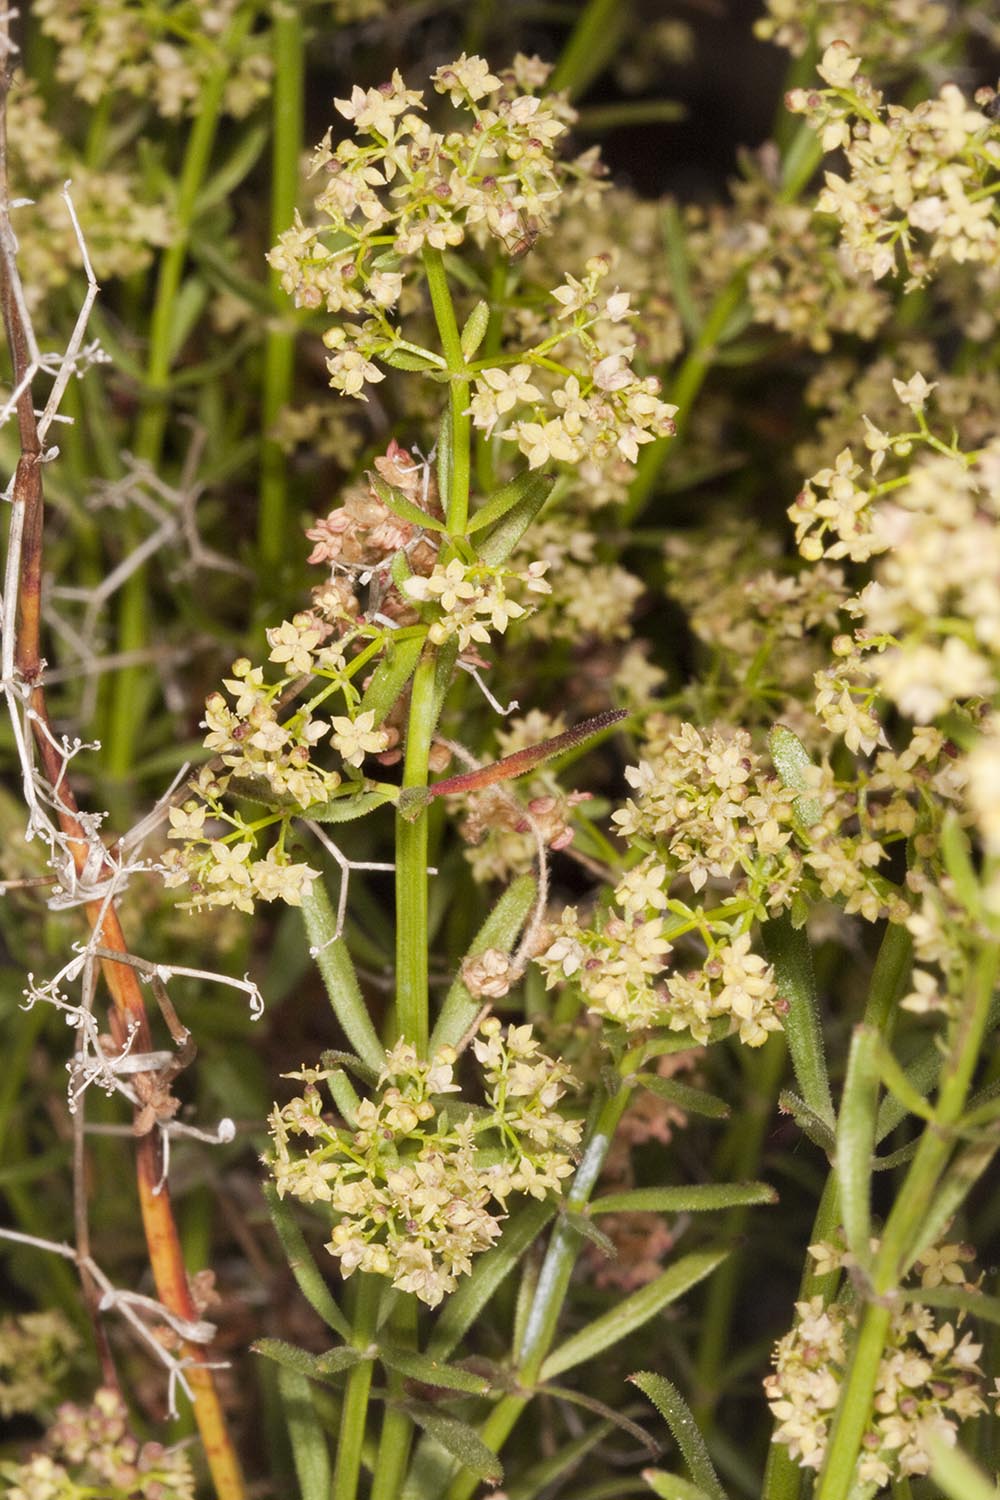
(279, 349)
(411, 867)
(397, 1429)
(457, 502)
(131, 683)
(354, 1413)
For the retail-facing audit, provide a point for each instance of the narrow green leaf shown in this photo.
(983, 1107)
(344, 1096)
(188, 307)
(818, 1131)
(220, 272)
(856, 1141)
(601, 1409)
(678, 268)
(302, 1265)
(923, 1073)
(953, 1189)
(336, 1361)
(308, 1366)
(692, 1101)
(310, 1452)
(633, 1312)
(958, 1476)
(122, 357)
(956, 851)
(402, 506)
(793, 763)
(581, 1224)
(897, 1082)
(459, 1439)
(500, 930)
(595, 119)
(521, 487)
(509, 530)
(240, 161)
(475, 328)
(391, 676)
(679, 1418)
(400, 569)
(334, 963)
(670, 1487)
(544, 1474)
(977, 1304)
(347, 809)
(405, 359)
(699, 1198)
(332, 1057)
(432, 1371)
(489, 1271)
(789, 952)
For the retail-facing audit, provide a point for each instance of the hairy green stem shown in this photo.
(902, 1230)
(456, 502)
(397, 1429)
(354, 1414)
(131, 683)
(411, 867)
(279, 349)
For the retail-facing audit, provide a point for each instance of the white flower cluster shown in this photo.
(928, 624)
(886, 31)
(469, 600)
(602, 408)
(832, 503)
(923, 182)
(929, 1379)
(398, 183)
(711, 811)
(163, 53)
(271, 761)
(417, 1186)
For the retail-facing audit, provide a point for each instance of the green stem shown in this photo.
(279, 350)
(457, 501)
(902, 1231)
(690, 379)
(783, 1476)
(354, 1414)
(131, 684)
(552, 1285)
(411, 866)
(397, 1429)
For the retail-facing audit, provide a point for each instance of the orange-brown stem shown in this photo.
(129, 1011)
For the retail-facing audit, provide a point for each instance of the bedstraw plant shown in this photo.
(613, 854)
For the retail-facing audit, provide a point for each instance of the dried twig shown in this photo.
(87, 874)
